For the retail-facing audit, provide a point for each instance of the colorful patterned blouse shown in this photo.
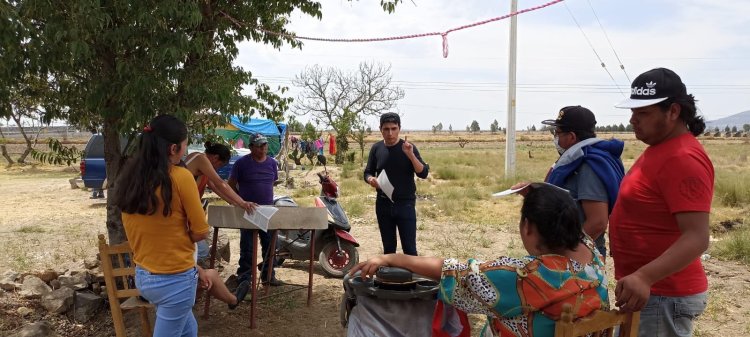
(524, 297)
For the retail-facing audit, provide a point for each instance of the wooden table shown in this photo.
(299, 218)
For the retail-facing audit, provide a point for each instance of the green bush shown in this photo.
(732, 188)
(734, 247)
(355, 207)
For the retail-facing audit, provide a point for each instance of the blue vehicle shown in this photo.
(93, 169)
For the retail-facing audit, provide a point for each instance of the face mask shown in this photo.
(560, 149)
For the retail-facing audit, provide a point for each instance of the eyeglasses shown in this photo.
(555, 131)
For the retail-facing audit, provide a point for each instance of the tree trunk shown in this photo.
(113, 160)
(22, 159)
(6, 155)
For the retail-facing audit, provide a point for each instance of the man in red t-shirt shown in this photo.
(659, 225)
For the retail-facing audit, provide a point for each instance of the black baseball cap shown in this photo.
(573, 118)
(653, 86)
(390, 117)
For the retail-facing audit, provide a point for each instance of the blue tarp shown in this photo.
(266, 127)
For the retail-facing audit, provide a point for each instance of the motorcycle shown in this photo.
(335, 247)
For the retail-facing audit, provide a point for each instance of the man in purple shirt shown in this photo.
(252, 178)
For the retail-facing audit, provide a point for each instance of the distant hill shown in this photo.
(737, 120)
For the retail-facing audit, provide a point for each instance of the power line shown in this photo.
(608, 41)
(500, 86)
(593, 49)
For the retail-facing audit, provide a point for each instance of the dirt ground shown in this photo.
(46, 224)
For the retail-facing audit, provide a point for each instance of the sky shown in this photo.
(558, 64)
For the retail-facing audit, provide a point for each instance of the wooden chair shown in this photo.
(119, 276)
(599, 324)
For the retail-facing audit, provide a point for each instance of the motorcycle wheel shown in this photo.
(337, 262)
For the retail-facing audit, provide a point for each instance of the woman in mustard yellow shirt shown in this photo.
(163, 218)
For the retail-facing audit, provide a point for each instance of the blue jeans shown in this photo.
(399, 215)
(173, 296)
(246, 252)
(203, 248)
(671, 316)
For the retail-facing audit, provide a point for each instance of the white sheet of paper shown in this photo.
(261, 216)
(385, 184)
(507, 192)
(511, 191)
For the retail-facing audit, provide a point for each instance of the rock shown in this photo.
(86, 306)
(24, 311)
(58, 301)
(74, 182)
(34, 287)
(55, 284)
(75, 281)
(38, 329)
(47, 275)
(8, 281)
(97, 288)
(90, 263)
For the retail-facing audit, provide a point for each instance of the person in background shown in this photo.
(589, 168)
(400, 161)
(331, 144)
(253, 177)
(320, 145)
(163, 218)
(520, 296)
(660, 224)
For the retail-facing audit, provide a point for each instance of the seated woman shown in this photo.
(521, 296)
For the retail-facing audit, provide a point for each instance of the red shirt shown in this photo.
(671, 177)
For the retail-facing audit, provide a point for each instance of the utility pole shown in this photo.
(510, 133)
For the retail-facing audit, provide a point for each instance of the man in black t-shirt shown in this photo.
(401, 161)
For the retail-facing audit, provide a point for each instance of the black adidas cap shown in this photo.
(653, 86)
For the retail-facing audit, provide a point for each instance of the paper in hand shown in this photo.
(261, 216)
(512, 191)
(385, 184)
(509, 191)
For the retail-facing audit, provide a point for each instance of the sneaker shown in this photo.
(274, 282)
(241, 293)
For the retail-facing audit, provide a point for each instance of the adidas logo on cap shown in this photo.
(652, 87)
(649, 90)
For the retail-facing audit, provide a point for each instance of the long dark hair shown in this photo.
(688, 112)
(149, 168)
(555, 214)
